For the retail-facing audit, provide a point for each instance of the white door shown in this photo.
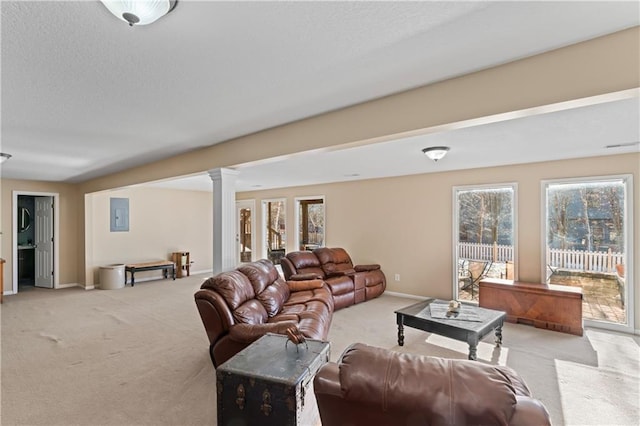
(44, 241)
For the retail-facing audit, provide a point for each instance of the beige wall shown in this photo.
(68, 230)
(405, 223)
(161, 221)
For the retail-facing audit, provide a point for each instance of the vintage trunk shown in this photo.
(271, 383)
(550, 306)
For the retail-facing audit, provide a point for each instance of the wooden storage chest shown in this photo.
(270, 383)
(550, 306)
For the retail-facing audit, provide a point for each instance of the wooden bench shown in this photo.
(165, 265)
(550, 306)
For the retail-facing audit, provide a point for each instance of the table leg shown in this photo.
(400, 333)
(133, 280)
(473, 347)
(499, 335)
(473, 353)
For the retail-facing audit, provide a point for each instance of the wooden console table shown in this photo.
(550, 306)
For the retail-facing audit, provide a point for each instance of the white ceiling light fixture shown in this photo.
(140, 12)
(436, 152)
(4, 157)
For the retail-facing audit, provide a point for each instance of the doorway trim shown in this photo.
(14, 233)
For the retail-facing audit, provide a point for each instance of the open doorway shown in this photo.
(274, 226)
(246, 237)
(34, 243)
(309, 222)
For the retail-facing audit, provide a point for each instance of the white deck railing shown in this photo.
(584, 261)
(572, 260)
(488, 252)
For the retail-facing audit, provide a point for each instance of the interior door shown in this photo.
(44, 241)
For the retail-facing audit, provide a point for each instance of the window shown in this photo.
(310, 222)
(484, 236)
(586, 244)
(275, 235)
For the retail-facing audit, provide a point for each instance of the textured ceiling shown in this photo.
(84, 95)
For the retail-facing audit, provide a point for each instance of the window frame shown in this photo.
(455, 227)
(627, 178)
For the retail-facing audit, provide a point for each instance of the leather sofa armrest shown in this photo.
(327, 381)
(529, 411)
(304, 285)
(248, 333)
(305, 277)
(364, 268)
(347, 272)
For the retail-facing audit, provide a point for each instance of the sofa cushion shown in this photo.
(322, 294)
(250, 312)
(274, 296)
(233, 286)
(261, 274)
(340, 284)
(334, 261)
(313, 317)
(305, 262)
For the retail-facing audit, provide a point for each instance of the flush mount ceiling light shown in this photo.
(4, 157)
(436, 152)
(140, 12)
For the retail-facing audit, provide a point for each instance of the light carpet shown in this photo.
(139, 356)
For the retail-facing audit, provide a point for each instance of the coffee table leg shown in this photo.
(400, 334)
(499, 335)
(473, 353)
(473, 346)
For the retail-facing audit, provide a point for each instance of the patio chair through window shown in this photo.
(475, 271)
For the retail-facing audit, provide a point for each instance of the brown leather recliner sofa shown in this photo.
(374, 386)
(349, 283)
(240, 306)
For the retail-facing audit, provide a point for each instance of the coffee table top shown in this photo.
(421, 311)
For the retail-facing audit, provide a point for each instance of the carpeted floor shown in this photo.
(138, 356)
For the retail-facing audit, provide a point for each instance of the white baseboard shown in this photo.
(408, 296)
(67, 285)
(204, 271)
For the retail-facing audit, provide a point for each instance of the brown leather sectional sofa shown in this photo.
(374, 386)
(240, 306)
(349, 283)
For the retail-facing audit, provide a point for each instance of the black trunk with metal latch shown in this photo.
(271, 383)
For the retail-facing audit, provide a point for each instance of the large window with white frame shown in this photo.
(484, 236)
(587, 233)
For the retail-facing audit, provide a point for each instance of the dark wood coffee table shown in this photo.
(419, 316)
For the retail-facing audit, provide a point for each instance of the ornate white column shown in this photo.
(224, 219)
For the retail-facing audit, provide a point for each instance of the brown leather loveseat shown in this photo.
(374, 386)
(240, 306)
(349, 283)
